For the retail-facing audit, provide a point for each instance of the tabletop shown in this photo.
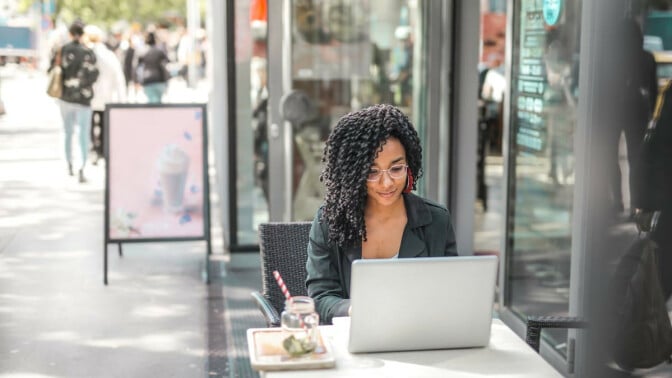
(507, 355)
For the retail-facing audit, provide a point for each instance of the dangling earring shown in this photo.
(409, 182)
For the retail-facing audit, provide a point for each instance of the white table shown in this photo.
(506, 356)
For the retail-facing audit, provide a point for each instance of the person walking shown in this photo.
(635, 88)
(109, 88)
(78, 64)
(152, 72)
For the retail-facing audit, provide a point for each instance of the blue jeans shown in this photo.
(76, 114)
(154, 92)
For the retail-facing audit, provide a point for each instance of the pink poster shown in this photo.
(156, 184)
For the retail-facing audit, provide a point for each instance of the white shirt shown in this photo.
(111, 84)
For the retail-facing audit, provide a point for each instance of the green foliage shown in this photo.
(106, 12)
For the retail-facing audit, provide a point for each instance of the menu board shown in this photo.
(529, 80)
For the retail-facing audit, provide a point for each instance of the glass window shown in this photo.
(491, 93)
(251, 99)
(347, 55)
(543, 116)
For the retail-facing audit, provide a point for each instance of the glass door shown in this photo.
(543, 110)
(248, 121)
(327, 58)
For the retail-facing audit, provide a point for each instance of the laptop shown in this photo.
(421, 303)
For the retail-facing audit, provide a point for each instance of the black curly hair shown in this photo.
(350, 150)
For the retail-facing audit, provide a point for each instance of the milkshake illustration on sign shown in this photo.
(173, 170)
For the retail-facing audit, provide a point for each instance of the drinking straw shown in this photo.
(285, 291)
(281, 283)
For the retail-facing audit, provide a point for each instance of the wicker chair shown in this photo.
(536, 323)
(283, 247)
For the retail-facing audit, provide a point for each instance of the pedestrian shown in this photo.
(635, 91)
(128, 61)
(109, 88)
(654, 204)
(78, 64)
(152, 71)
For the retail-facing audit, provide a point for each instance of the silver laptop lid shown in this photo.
(421, 303)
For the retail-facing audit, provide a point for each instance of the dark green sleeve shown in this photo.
(323, 282)
(451, 244)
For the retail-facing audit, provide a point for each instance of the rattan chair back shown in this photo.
(283, 247)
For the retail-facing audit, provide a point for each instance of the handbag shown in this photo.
(55, 80)
(55, 86)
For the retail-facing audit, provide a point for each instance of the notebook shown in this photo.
(421, 303)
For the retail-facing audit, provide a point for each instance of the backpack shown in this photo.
(642, 332)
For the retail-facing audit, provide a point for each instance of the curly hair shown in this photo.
(350, 151)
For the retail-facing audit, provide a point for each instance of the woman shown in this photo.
(372, 161)
(152, 72)
(109, 88)
(80, 72)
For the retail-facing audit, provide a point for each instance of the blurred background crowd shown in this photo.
(32, 31)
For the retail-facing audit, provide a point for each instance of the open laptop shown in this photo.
(421, 303)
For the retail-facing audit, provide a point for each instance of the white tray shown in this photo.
(267, 353)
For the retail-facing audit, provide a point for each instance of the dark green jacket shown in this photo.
(428, 233)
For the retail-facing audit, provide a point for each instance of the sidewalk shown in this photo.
(157, 317)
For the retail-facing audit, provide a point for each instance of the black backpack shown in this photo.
(642, 333)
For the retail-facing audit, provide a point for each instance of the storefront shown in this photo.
(295, 67)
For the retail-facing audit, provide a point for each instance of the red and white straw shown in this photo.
(281, 283)
(285, 291)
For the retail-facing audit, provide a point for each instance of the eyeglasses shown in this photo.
(395, 172)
